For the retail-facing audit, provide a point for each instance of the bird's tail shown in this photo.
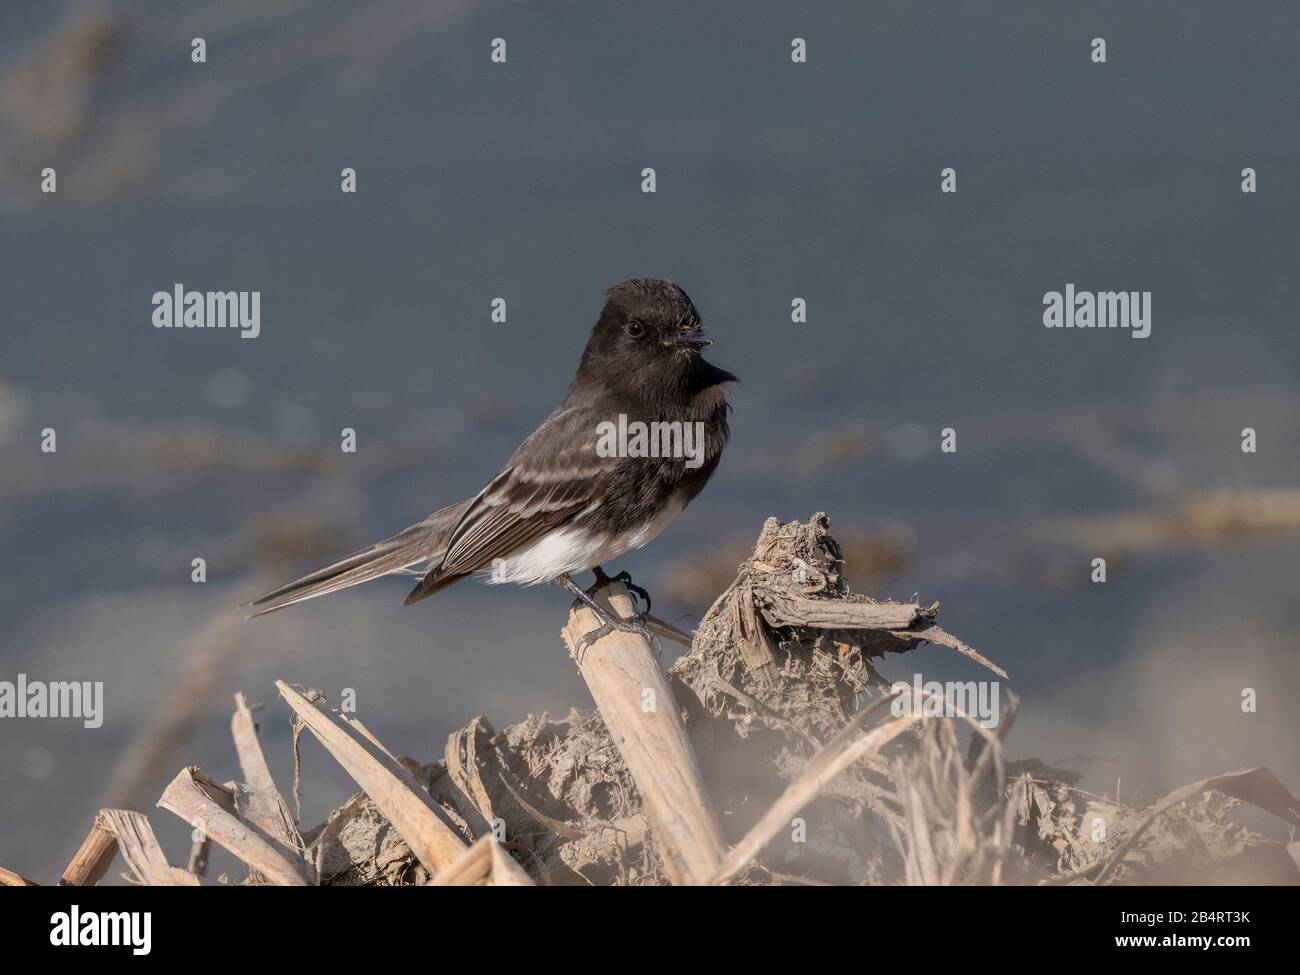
(430, 584)
(422, 542)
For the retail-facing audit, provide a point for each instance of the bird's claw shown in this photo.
(634, 624)
(603, 580)
(626, 579)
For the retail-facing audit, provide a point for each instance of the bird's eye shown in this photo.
(635, 329)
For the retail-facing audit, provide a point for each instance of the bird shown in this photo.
(574, 496)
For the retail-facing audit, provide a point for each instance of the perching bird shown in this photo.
(566, 502)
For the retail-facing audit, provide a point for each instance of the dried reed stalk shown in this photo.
(265, 807)
(91, 861)
(391, 787)
(204, 804)
(956, 825)
(1254, 785)
(838, 754)
(10, 879)
(641, 713)
(484, 863)
(142, 852)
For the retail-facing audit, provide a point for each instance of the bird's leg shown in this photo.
(609, 622)
(601, 582)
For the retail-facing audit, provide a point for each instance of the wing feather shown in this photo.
(553, 476)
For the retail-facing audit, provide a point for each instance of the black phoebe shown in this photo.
(639, 433)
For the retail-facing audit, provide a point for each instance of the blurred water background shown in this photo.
(775, 180)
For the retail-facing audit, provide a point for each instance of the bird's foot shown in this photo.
(633, 624)
(603, 580)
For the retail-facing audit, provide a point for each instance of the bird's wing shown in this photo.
(539, 490)
(520, 505)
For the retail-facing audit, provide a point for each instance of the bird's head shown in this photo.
(647, 322)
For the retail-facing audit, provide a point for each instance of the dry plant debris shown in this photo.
(768, 754)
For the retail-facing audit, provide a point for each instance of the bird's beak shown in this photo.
(693, 339)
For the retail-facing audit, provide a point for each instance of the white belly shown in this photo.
(575, 548)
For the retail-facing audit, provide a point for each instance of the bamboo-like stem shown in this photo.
(92, 859)
(266, 807)
(390, 785)
(141, 851)
(10, 879)
(203, 803)
(483, 862)
(643, 718)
